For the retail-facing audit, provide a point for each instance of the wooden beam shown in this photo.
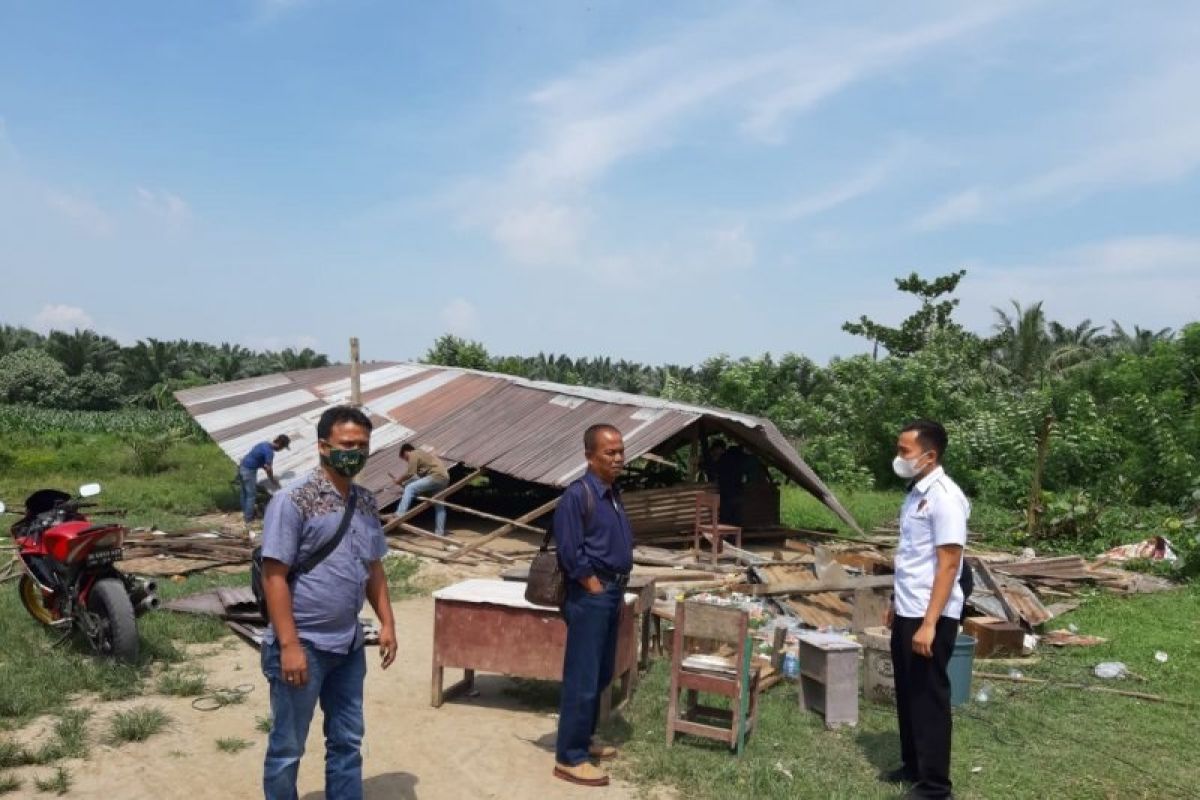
(485, 515)
(425, 504)
(839, 585)
(452, 548)
(416, 549)
(528, 516)
(989, 580)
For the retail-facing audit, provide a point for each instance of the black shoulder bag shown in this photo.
(547, 585)
(308, 565)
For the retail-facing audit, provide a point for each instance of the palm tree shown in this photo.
(307, 359)
(1023, 347)
(83, 350)
(14, 338)
(229, 362)
(152, 362)
(1140, 342)
(1076, 346)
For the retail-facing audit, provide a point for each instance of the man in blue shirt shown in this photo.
(595, 550)
(313, 647)
(261, 456)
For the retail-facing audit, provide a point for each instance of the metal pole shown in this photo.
(355, 384)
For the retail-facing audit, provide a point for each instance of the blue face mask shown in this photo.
(346, 463)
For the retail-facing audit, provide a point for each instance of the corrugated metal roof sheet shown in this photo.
(530, 430)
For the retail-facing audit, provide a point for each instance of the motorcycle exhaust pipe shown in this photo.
(148, 603)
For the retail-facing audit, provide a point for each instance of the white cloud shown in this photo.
(754, 70)
(541, 234)
(954, 209)
(1151, 281)
(460, 317)
(865, 181)
(171, 208)
(55, 317)
(83, 213)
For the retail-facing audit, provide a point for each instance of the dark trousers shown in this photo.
(923, 705)
(587, 666)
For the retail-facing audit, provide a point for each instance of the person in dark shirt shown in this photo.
(261, 456)
(595, 550)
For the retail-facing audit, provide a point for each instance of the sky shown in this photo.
(660, 182)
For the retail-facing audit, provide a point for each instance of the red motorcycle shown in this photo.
(70, 579)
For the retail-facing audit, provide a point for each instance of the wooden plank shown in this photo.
(850, 585)
(416, 549)
(528, 516)
(485, 515)
(989, 580)
(451, 546)
(425, 504)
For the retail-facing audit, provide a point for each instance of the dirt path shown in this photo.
(484, 747)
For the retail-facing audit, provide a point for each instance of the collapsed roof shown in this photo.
(529, 430)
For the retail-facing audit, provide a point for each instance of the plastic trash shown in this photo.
(983, 695)
(1015, 673)
(1073, 628)
(976, 770)
(791, 664)
(1111, 669)
(1161, 657)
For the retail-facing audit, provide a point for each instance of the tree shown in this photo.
(83, 350)
(305, 359)
(32, 376)
(1139, 341)
(453, 351)
(1023, 346)
(915, 332)
(14, 338)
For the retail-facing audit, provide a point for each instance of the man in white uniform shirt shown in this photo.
(926, 607)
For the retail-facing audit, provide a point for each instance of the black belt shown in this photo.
(620, 579)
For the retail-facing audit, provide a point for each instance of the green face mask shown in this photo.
(346, 463)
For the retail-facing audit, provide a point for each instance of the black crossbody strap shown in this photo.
(587, 515)
(323, 552)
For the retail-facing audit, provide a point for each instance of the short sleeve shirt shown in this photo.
(326, 601)
(934, 514)
(261, 455)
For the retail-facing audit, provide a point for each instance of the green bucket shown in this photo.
(962, 661)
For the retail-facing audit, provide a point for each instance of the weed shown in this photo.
(232, 745)
(262, 724)
(137, 724)
(9, 783)
(182, 683)
(60, 783)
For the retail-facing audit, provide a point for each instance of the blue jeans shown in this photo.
(336, 680)
(430, 484)
(587, 666)
(248, 479)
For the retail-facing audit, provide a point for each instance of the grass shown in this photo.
(1027, 741)
(400, 571)
(9, 784)
(873, 508)
(262, 724)
(187, 682)
(37, 679)
(59, 783)
(137, 724)
(232, 745)
(194, 478)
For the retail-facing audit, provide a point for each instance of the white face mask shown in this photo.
(906, 467)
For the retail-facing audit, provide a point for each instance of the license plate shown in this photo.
(97, 557)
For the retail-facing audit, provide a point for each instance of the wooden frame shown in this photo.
(707, 526)
(695, 620)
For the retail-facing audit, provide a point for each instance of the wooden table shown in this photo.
(641, 585)
(487, 626)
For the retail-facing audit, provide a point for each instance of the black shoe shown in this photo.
(899, 775)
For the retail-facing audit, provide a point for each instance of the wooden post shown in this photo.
(694, 456)
(424, 504)
(1033, 515)
(529, 516)
(355, 383)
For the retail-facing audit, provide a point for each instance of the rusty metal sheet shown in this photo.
(531, 430)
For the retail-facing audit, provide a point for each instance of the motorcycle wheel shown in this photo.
(118, 636)
(31, 598)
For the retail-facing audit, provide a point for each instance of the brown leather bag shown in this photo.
(547, 584)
